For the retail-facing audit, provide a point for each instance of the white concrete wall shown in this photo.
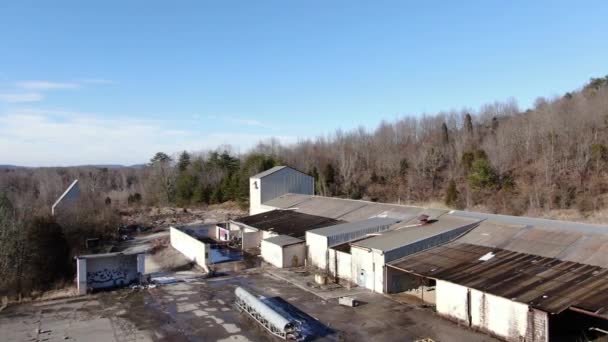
(251, 239)
(368, 264)
(343, 260)
(499, 316)
(272, 254)
(81, 276)
(289, 252)
(452, 300)
(317, 250)
(255, 196)
(190, 247)
(378, 272)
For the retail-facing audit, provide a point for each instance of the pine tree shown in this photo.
(184, 161)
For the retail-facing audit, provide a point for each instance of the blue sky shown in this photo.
(115, 81)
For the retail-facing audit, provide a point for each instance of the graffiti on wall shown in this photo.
(112, 272)
(108, 277)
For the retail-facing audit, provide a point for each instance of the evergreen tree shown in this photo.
(183, 162)
(160, 157)
(468, 125)
(445, 137)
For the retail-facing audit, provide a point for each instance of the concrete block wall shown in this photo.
(109, 271)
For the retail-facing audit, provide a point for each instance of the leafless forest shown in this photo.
(499, 159)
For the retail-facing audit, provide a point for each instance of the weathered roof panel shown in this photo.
(283, 240)
(397, 238)
(354, 226)
(286, 222)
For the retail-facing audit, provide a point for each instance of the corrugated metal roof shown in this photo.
(346, 209)
(268, 172)
(547, 284)
(286, 222)
(398, 238)
(588, 248)
(283, 240)
(354, 226)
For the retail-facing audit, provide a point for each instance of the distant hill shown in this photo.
(107, 166)
(10, 167)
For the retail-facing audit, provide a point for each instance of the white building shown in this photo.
(318, 241)
(370, 255)
(255, 228)
(275, 182)
(284, 251)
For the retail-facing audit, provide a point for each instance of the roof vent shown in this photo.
(424, 219)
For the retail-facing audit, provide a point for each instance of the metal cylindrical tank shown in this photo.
(263, 309)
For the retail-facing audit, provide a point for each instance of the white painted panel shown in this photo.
(251, 239)
(378, 269)
(190, 247)
(293, 255)
(255, 199)
(344, 266)
(362, 264)
(499, 315)
(452, 300)
(317, 250)
(272, 254)
(81, 275)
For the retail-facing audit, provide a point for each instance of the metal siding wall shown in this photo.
(285, 181)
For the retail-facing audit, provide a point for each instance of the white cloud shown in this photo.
(246, 122)
(49, 138)
(46, 85)
(21, 97)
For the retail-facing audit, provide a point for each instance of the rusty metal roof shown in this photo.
(548, 284)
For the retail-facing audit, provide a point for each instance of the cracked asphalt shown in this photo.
(203, 310)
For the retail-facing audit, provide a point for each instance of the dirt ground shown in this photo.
(203, 310)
